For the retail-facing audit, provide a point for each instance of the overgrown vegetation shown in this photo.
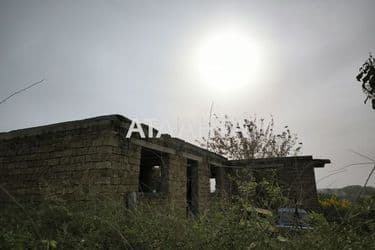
(228, 224)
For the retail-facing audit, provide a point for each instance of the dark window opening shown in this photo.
(152, 171)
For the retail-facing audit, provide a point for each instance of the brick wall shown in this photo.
(298, 180)
(72, 160)
(177, 181)
(203, 184)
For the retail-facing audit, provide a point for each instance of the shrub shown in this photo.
(334, 208)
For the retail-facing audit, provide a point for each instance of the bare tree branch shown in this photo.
(369, 176)
(21, 90)
(363, 155)
(327, 176)
(355, 164)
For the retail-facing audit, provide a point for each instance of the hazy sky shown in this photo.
(136, 58)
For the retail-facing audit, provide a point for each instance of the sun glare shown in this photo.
(227, 60)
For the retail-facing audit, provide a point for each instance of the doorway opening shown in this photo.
(152, 172)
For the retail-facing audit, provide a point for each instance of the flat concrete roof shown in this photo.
(166, 141)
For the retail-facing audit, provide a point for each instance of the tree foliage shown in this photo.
(366, 75)
(250, 138)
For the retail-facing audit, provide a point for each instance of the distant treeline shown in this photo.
(349, 192)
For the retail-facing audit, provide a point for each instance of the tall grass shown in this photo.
(226, 225)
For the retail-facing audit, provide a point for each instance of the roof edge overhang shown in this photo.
(188, 149)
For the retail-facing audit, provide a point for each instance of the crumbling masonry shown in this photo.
(91, 158)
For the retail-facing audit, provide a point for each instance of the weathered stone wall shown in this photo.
(71, 160)
(177, 181)
(298, 180)
(93, 159)
(203, 184)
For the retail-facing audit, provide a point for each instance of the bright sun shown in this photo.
(227, 60)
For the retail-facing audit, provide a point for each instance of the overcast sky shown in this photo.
(135, 58)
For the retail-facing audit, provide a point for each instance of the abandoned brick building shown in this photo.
(93, 156)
